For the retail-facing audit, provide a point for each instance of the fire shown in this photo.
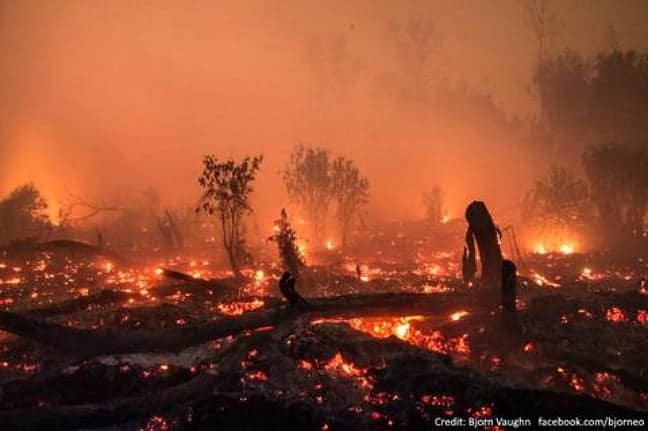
(402, 328)
(642, 317)
(457, 315)
(543, 281)
(257, 375)
(566, 248)
(259, 275)
(616, 315)
(544, 247)
(330, 245)
(238, 308)
(108, 266)
(338, 365)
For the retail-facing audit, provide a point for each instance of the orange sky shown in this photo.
(102, 97)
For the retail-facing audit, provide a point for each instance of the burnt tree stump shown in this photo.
(287, 288)
(482, 230)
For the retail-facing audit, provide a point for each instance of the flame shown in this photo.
(566, 248)
(540, 249)
(458, 315)
(259, 275)
(338, 365)
(616, 315)
(329, 245)
(238, 308)
(402, 328)
(543, 281)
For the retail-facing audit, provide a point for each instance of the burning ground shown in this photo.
(96, 340)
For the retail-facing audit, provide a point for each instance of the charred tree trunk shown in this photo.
(178, 239)
(482, 230)
(509, 282)
(469, 266)
(165, 233)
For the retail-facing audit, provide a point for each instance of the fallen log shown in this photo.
(101, 298)
(224, 286)
(88, 342)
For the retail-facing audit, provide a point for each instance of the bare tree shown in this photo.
(308, 181)
(557, 200)
(23, 214)
(227, 189)
(433, 203)
(351, 192)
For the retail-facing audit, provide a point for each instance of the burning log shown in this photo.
(482, 230)
(86, 343)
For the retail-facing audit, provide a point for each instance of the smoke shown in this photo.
(102, 98)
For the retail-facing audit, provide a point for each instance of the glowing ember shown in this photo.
(529, 348)
(330, 245)
(540, 249)
(259, 275)
(542, 281)
(402, 328)
(616, 315)
(339, 366)
(257, 375)
(238, 308)
(566, 249)
(156, 423)
(457, 315)
(305, 365)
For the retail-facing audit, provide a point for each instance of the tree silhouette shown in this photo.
(351, 192)
(23, 214)
(286, 238)
(433, 203)
(227, 188)
(557, 201)
(308, 181)
(618, 175)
